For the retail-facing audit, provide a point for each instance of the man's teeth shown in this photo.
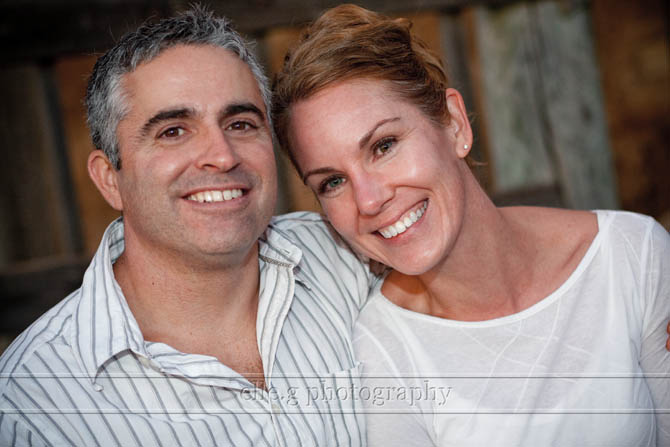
(215, 195)
(404, 222)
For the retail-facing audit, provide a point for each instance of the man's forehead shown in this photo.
(197, 77)
(182, 62)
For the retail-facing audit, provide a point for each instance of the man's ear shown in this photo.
(106, 178)
(459, 122)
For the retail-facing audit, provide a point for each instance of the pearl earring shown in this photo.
(465, 146)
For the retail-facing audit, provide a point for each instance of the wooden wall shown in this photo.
(529, 76)
(569, 101)
(94, 213)
(634, 58)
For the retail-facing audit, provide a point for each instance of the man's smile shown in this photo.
(215, 195)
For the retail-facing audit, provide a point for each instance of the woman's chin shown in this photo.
(411, 268)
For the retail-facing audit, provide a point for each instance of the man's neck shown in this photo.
(209, 311)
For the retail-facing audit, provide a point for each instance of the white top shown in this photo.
(83, 375)
(567, 371)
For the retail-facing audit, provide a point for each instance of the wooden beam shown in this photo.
(28, 290)
(634, 54)
(94, 214)
(454, 30)
(573, 111)
(34, 175)
(256, 15)
(35, 29)
(539, 95)
(507, 98)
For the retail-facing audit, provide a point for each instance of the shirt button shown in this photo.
(276, 408)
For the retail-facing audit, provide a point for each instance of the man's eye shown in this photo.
(173, 132)
(242, 125)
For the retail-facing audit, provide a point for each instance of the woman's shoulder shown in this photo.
(634, 234)
(546, 217)
(578, 229)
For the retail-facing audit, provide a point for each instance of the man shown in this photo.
(196, 322)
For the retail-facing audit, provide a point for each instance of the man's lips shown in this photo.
(215, 195)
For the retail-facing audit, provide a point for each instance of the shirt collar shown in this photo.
(103, 323)
(275, 246)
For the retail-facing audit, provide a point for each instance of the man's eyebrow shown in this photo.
(165, 115)
(366, 138)
(245, 107)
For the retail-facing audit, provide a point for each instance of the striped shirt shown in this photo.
(82, 374)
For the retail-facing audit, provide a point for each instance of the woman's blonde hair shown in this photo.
(349, 42)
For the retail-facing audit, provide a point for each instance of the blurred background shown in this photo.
(570, 103)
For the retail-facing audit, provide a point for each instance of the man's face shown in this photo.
(198, 176)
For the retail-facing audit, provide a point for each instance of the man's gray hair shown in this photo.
(105, 102)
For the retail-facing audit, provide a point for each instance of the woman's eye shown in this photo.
(173, 132)
(384, 145)
(331, 184)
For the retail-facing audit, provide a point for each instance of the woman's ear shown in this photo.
(106, 178)
(458, 122)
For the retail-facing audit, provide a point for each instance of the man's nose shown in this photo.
(217, 152)
(371, 192)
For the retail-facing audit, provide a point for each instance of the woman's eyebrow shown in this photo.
(361, 143)
(366, 138)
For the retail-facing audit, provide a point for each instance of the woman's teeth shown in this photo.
(404, 222)
(215, 195)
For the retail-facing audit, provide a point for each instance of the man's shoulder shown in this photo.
(298, 220)
(44, 338)
(36, 375)
(317, 240)
(305, 229)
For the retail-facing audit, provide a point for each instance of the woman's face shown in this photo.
(389, 179)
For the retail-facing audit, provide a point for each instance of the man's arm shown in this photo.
(326, 253)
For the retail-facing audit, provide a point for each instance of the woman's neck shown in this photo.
(474, 281)
(495, 267)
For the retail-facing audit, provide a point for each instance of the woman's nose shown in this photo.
(371, 192)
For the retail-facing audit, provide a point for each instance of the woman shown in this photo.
(545, 320)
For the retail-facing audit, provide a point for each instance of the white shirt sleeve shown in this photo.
(654, 358)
